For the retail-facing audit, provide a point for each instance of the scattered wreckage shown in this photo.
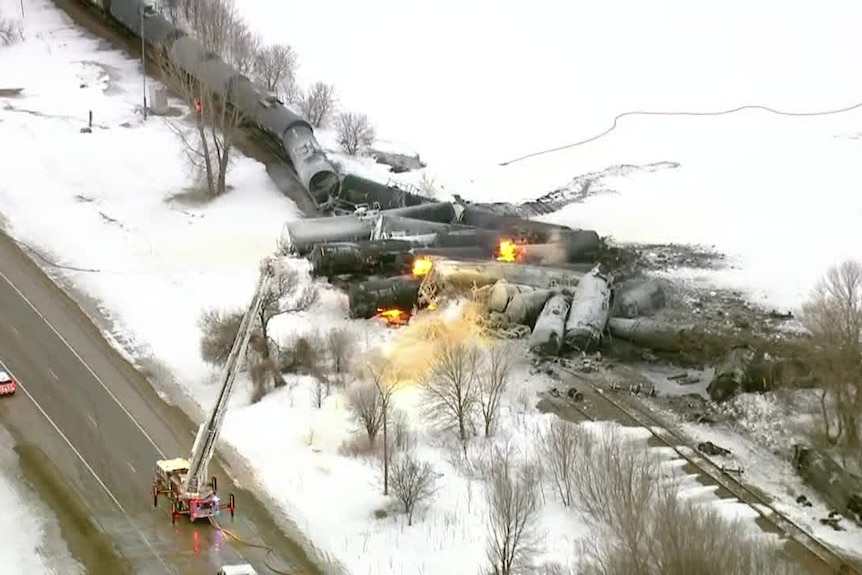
(841, 489)
(545, 283)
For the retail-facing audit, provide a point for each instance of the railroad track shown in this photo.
(721, 476)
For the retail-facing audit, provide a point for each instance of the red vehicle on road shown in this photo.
(8, 385)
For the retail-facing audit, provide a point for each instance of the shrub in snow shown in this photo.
(355, 132)
(412, 482)
(11, 31)
(219, 329)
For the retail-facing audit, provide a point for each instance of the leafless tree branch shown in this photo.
(451, 388)
(355, 132)
(386, 379)
(513, 507)
(413, 482)
(833, 317)
(275, 67)
(561, 447)
(317, 104)
(11, 31)
(363, 399)
(493, 379)
(219, 329)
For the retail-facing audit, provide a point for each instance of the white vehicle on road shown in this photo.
(241, 569)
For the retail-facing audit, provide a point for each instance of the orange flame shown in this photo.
(393, 316)
(509, 251)
(421, 266)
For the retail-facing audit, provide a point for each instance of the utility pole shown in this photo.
(145, 10)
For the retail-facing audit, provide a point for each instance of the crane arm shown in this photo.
(204, 446)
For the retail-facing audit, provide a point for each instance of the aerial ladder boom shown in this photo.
(204, 446)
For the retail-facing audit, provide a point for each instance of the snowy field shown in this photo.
(114, 218)
(777, 194)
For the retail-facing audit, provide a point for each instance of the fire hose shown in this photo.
(269, 550)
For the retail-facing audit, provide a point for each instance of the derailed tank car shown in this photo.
(358, 190)
(377, 296)
(385, 257)
(300, 236)
(269, 115)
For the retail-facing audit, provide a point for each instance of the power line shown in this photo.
(648, 113)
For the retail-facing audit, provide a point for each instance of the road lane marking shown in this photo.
(54, 375)
(131, 467)
(93, 421)
(66, 439)
(15, 331)
(88, 466)
(84, 363)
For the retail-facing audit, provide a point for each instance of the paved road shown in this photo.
(89, 428)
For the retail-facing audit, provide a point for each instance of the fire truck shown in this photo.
(184, 481)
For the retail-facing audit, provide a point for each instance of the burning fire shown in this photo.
(393, 316)
(509, 251)
(421, 266)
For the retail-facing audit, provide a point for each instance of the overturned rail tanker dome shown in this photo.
(300, 236)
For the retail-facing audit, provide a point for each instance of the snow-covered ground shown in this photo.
(470, 87)
(30, 541)
(111, 213)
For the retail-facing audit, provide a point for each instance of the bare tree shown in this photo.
(11, 31)
(355, 132)
(363, 399)
(386, 379)
(317, 104)
(212, 22)
(341, 344)
(452, 389)
(493, 380)
(301, 354)
(412, 482)
(275, 66)
(429, 187)
(243, 47)
(560, 448)
(320, 390)
(684, 537)
(208, 145)
(208, 141)
(833, 316)
(219, 329)
(288, 292)
(614, 482)
(513, 507)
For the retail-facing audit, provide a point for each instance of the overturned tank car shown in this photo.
(377, 296)
(385, 257)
